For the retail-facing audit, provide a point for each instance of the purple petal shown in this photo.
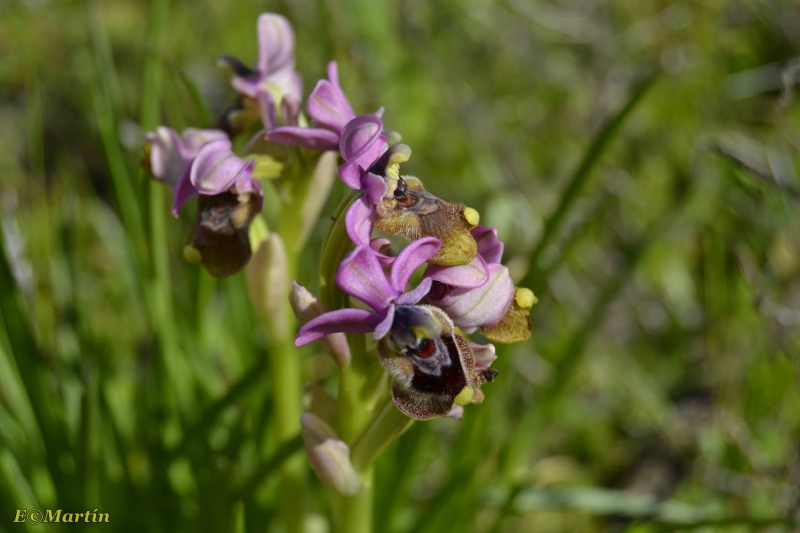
(275, 43)
(481, 307)
(266, 106)
(350, 174)
(167, 159)
(328, 106)
(456, 413)
(467, 276)
(415, 295)
(489, 246)
(382, 247)
(216, 168)
(195, 138)
(359, 221)
(359, 135)
(339, 321)
(290, 110)
(333, 73)
(356, 145)
(411, 258)
(374, 187)
(360, 275)
(313, 138)
(183, 190)
(246, 86)
(484, 355)
(385, 325)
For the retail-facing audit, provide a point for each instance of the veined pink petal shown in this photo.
(385, 325)
(313, 138)
(329, 107)
(467, 276)
(411, 258)
(360, 275)
(275, 43)
(359, 221)
(183, 191)
(216, 168)
(484, 306)
(484, 355)
(195, 138)
(339, 321)
(166, 154)
(374, 187)
(489, 246)
(415, 295)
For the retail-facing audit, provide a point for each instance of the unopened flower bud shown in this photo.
(329, 456)
(320, 186)
(268, 282)
(306, 307)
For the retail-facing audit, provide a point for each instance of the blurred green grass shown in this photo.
(660, 390)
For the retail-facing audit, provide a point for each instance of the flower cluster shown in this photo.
(417, 303)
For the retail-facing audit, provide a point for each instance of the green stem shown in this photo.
(286, 390)
(354, 513)
(387, 425)
(336, 245)
(285, 371)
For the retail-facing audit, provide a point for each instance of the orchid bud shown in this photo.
(322, 180)
(306, 307)
(268, 282)
(329, 456)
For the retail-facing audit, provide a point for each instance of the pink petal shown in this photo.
(467, 276)
(412, 257)
(313, 138)
(329, 107)
(359, 221)
(339, 321)
(275, 43)
(360, 275)
(216, 168)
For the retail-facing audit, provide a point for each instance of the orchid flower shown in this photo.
(274, 83)
(170, 152)
(330, 111)
(360, 275)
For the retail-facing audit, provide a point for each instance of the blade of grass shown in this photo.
(578, 181)
(36, 376)
(202, 111)
(104, 107)
(251, 378)
(283, 453)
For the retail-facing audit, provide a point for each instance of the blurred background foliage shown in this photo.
(639, 158)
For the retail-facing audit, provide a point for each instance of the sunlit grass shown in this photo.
(660, 390)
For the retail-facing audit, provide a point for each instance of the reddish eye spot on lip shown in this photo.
(426, 349)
